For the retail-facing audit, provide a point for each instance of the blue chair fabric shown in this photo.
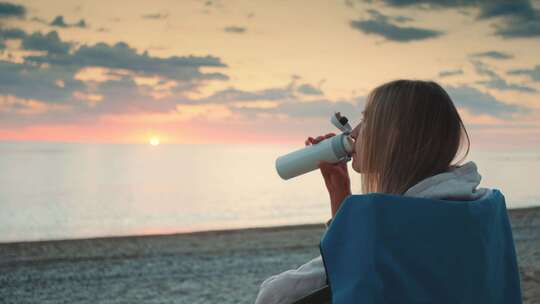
(384, 248)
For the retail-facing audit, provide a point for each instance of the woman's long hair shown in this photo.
(411, 130)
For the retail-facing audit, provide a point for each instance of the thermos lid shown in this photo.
(341, 122)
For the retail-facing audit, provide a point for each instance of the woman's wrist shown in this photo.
(336, 199)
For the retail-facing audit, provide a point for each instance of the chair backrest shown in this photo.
(393, 249)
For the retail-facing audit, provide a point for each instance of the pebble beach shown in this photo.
(202, 267)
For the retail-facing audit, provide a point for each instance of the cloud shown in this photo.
(233, 95)
(464, 96)
(50, 43)
(136, 82)
(235, 29)
(393, 32)
(51, 84)
(14, 106)
(122, 56)
(280, 101)
(493, 55)
(55, 83)
(281, 94)
(520, 19)
(58, 21)
(81, 24)
(488, 8)
(124, 95)
(430, 3)
(381, 25)
(322, 108)
(520, 28)
(9, 34)
(501, 84)
(375, 14)
(448, 73)
(308, 89)
(155, 16)
(11, 10)
(497, 8)
(497, 82)
(533, 73)
(479, 103)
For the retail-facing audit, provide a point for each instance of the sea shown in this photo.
(52, 191)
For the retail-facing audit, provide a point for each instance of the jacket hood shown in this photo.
(460, 183)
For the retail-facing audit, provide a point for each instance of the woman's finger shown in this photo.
(318, 139)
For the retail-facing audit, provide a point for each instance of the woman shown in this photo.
(406, 144)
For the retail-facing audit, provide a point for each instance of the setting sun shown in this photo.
(154, 141)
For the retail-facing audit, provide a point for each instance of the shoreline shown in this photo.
(174, 234)
(511, 213)
(219, 266)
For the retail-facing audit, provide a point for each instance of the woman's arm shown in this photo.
(294, 284)
(291, 285)
(336, 177)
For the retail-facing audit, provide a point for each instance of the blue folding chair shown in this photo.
(394, 249)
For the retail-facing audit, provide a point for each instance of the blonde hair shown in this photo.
(411, 130)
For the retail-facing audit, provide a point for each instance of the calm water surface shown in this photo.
(56, 191)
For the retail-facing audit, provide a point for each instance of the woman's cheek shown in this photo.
(355, 156)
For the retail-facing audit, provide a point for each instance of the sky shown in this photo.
(259, 71)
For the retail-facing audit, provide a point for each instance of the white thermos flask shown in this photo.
(333, 149)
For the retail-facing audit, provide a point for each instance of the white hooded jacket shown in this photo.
(459, 183)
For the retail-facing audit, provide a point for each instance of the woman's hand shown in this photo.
(336, 176)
